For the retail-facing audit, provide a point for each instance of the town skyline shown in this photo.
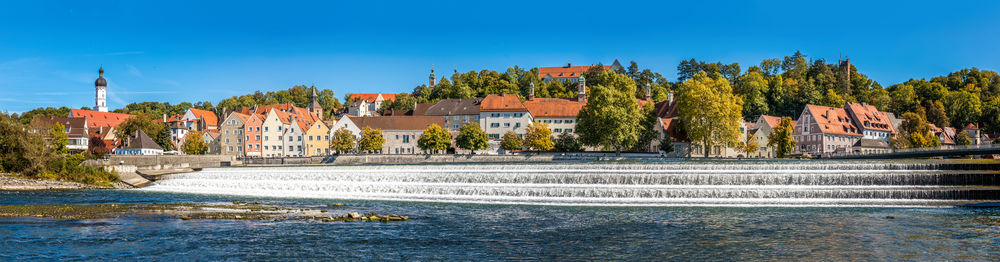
(53, 60)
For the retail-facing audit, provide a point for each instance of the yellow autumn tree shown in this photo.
(709, 111)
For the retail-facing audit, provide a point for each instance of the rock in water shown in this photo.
(353, 215)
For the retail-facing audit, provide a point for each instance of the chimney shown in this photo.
(670, 98)
(568, 65)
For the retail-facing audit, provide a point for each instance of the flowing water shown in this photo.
(874, 183)
(690, 210)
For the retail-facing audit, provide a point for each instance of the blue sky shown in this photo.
(177, 51)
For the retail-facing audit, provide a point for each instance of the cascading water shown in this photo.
(763, 183)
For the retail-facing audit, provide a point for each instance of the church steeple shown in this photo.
(315, 108)
(433, 79)
(101, 89)
(581, 95)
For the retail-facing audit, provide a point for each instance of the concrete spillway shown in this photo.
(848, 183)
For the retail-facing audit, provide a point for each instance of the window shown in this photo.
(476, 117)
(518, 124)
(495, 115)
(569, 121)
(558, 121)
(558, 130)
(265, 129)
(568, 130)
(265, 138)
(249, 128)
(506, 124)
(506, 115)
(266, 148)
(310, 138)
(327, 137)
(290, 139)
(300, 138)
(230, 148)
(279, 128)
(258, 137)
(495, 125)
(406, 138)
(227, 141)
(258, 129)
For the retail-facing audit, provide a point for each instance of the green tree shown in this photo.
(194, 144)
(567, 142)
(991, 115)
(434, 139)
(538, 137)
(611, 118)
(832, 99)
(710, 113)
(781, 138)
(471, 137)
(963, 139)
(936, 113)
(963, 107)
(144, 122)
(666, 145)
(904, 99)
(753, 88)
(371, 140)
(511, 141)
(59, 139)
(915, 132)
(342, 141)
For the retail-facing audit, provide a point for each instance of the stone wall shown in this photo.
(162, 162)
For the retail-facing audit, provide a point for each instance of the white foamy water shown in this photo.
(613, 184)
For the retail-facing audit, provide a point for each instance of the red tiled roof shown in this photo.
(564, 71)
(553, 107)
(98, 118)
(370, 98)
(870, 117)
(833, 120)
(210, 118)
(971, 126)
(672, 130)
(506, 102)
(772, 121)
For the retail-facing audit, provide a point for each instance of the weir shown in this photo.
(688, 183)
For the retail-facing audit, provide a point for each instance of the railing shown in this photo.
(919, 149)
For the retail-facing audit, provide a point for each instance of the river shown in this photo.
(690, 210)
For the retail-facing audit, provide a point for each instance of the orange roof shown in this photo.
(370, 98)
(869, 117)
(833, 120)
(98, 118)
(287, 109)
(772, 121)
(564, 71)
(208, 116)
(553, 107)
(506, 102)
(971, 126)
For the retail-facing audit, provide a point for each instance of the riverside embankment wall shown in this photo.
(460, 158)
(163, 162)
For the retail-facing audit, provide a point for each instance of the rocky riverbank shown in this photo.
(11, 182)
(189, 211)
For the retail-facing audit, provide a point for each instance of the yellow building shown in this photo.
(317, 139)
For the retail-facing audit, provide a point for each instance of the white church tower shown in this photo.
(101, 100)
